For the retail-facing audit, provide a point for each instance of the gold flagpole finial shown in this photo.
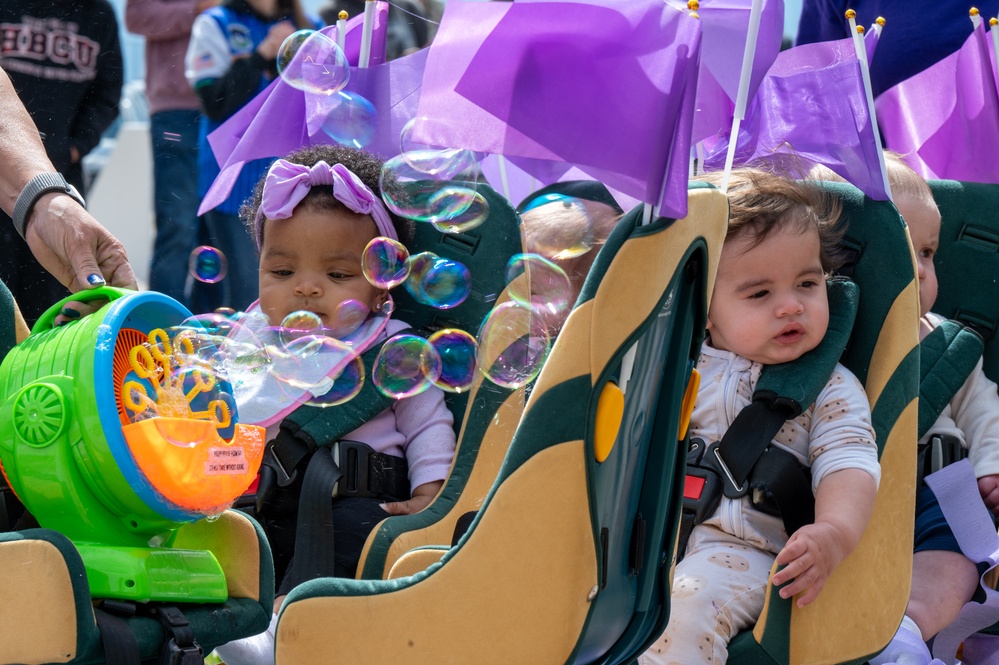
(693, 5)
(860, 29)
(973, 11)
(851, 14)
(880, 21)
(342, 15)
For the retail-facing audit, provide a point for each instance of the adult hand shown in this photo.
(268, 48)
(74, 247)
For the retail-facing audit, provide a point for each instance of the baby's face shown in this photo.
(312, 261)
(769, 302)
(923, 221)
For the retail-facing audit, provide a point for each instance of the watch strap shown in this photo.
(40, 185)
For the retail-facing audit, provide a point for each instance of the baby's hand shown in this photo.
(809, 558)
(988, 486)
(422, 496)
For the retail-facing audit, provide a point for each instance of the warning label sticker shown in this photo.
(226, 461)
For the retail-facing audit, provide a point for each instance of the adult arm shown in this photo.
(63, 236)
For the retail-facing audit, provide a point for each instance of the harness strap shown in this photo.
(314, 532)
(947, 356)
(120, 647)
(749, 435)
(308, 428)
(345, 469)
(956, 489)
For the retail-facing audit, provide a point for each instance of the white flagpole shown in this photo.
(994, 31)
(865, 74)
(742, 98)
(368, 27)
(503, 179)
(976, 18)
(341, 30)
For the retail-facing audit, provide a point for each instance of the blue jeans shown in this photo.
(175, 181)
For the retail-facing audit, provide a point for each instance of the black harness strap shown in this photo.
(120, 647)
(119, 643)
(308, 428)
(314, 531)
(748, 437)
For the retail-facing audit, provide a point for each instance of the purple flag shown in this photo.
(945, 119)
(274, 122)
(601, 87)
(724, 43)
(811, 108)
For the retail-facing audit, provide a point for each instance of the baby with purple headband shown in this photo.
(311, 216)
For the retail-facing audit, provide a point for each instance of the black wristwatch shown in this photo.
(41, 184)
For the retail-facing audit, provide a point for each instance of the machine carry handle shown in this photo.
(44, 322)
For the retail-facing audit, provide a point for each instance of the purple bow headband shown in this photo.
(288, 183)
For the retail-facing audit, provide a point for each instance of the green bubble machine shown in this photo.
(87, 458)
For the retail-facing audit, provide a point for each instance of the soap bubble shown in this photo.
(384, 262)
(405, 366)
(458, 351)
(312, 62)
(345, 387)
(513, 345)
(438, 282)
(352, 121)
(208, 264)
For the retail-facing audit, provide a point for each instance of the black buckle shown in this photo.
(707, 482)
(352, 459)
(180, 647)
(271, 460)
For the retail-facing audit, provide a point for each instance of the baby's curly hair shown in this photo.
(363, 164)
(762, 203)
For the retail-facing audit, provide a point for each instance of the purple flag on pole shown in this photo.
(724, 24)
(274, 122)
(811, 108)
(601, 87)
(945, 119)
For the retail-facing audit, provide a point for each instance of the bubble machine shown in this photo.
(87, 457)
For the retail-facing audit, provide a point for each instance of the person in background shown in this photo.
(173, 125)
(407, 29)
(232, 57)
(65, 64)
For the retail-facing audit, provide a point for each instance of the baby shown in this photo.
(770, 306)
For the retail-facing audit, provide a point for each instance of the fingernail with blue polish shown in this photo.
(96, 280)
(69, 313)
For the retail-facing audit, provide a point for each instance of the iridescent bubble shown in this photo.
(227, 312)
(313, 62)
(344, 388)
(425, 196)
(472, 213)
(441, 163)
(405, 366)
(348, 317)
(557, 226)
(438, 282)
(546, 287)
(384, 262)
(513, 345)
(352, 121)
(299, 324)
(207, 264)
(458, 352)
